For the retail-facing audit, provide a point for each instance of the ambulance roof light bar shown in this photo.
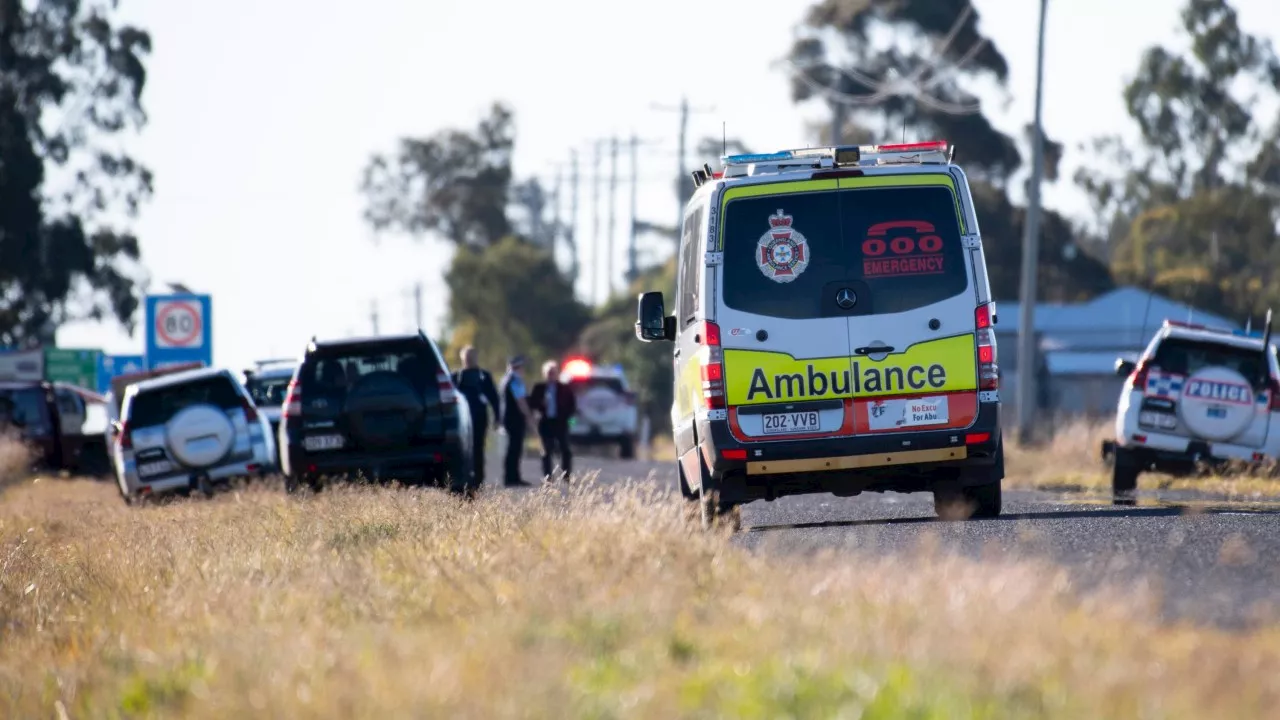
(937, 152)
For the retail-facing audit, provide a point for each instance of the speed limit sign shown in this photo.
(179, 324)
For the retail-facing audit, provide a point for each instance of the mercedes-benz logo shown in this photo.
(846, 298)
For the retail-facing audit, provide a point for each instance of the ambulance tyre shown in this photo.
(716, 514)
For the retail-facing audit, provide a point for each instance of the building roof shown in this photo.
(1123, 318)
(1086, 363)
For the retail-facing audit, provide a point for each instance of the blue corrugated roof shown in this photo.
(1128, 309)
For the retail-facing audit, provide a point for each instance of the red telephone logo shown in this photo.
(875, 246)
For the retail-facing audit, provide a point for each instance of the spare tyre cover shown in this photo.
(1217, 403)
(200, 435)
(383, 411)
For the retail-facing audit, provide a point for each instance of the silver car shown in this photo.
(188, 431)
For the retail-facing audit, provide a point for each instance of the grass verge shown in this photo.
(1071, 461)
(381, 602)
(15, 461)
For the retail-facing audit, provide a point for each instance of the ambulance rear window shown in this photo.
(787, 256)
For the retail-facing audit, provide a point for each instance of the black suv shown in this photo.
(380, 408)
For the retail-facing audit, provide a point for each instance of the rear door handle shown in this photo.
(867, 350)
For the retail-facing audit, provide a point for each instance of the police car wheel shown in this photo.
(626, 449)
(1124, 477)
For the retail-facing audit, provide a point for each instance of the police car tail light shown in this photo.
(988, 368)
(293, 400)
(712, 367)
(1274, 387)
(448, 395)
(1138, 379)
(126, 440)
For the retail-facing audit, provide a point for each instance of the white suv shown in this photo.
(606, 406)
(1197, 395)
(187, 431)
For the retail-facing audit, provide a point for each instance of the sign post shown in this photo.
(179, 330)
(113, 366)
(77, 367)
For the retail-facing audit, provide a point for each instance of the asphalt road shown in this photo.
(1210, 562)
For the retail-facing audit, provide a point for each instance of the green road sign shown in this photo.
(78, 367)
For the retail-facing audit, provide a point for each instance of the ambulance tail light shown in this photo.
(712, 367)
(988, 365)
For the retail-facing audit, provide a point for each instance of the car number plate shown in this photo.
(792, 422)
(155, 467)
(322, 442)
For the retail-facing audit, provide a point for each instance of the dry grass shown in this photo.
(377, 603)
(1071, 461)
(15, 461)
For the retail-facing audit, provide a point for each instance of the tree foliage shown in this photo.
(1193, 211)
(454, 183)
(71, 79)
(611, 338)
(923, 81)
(512, 298)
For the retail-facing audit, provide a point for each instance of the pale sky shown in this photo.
(264, 112)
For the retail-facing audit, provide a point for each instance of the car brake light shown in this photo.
(293, 400)
(125, 439)
(988, 366)
(250, 412)
(712, 367)
(448, 395)
(1274, 388)
(1138, 378)
(577, 368)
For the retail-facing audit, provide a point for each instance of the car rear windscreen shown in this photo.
(156, 406)
(267, 392)
(22, 409)
(1181, 356)
(783, 254)
(333, 373)
(581, 385)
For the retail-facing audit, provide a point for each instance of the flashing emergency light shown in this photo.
(919, 152)
(577, 367)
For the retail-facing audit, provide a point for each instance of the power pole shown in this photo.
(417, 305)
(373, 316)
(684, 181)
(838, 114)
(632, 270)
(573, 218)
(595, 221)
(555, 214)
(613, 202)
(1027, 360)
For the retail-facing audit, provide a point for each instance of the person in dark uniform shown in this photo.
(554, 403)
(476, 385)
(515, 420)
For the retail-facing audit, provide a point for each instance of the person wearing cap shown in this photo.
(476, 385)
(554, 404)
(515, 419)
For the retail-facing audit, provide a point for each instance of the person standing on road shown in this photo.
(515, 420)
(476, 385)
(554, 404)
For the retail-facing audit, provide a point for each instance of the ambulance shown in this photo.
(833, 332)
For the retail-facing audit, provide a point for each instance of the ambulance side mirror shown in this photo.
(652, 322)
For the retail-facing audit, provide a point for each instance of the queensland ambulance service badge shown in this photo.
(782, 253)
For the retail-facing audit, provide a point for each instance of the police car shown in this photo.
(833, 331)
(606, 406)
(1197, 395)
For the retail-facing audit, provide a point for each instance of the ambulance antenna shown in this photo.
(724, 138)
